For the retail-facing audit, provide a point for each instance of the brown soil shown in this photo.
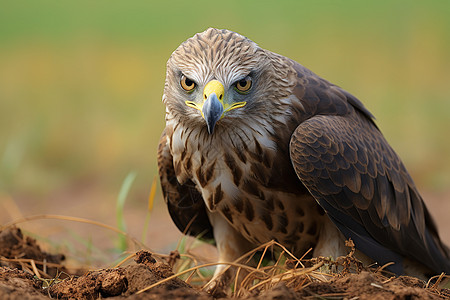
(17, 249)
(22, 261)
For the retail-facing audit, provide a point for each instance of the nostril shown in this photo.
(204, 96)
(220, 97)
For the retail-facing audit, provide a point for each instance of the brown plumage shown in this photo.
(276, 152)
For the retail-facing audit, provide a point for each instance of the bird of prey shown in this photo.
(258, 148)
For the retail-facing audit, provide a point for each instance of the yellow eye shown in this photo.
(244, 85)
(187, 84)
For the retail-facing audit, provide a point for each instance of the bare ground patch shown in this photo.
(27, 272)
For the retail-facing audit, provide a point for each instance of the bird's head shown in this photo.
(218, 77)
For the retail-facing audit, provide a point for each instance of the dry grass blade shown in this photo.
(259, 273)
(191, 270)
(28, 260)
(286, 272)
(31, 266)
(125, 260)
(248, 277)
(291, 274)
(288, 275)
(271, 243)
(35, 270)
(437, 282)
(191, 257)
(383, 267)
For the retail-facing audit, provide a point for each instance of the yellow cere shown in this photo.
(214, 86)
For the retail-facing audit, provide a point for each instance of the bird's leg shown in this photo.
(230, 245)
(331, 241)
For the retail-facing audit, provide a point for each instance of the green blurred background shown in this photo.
(81, 85)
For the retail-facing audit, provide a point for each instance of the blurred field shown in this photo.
(81, 85)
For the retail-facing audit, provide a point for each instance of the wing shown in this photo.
(185, 204)
(346, 164)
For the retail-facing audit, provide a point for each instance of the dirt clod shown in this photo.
(145, 258)
(104, 283)
(14, 247)
(17, 284)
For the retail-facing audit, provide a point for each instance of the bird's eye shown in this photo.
(244, 85)
(187, 84)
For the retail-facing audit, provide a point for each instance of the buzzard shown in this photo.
(258, 148)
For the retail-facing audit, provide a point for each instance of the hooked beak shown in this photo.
(213, 107)
(212, 111)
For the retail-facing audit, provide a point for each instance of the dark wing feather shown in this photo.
(358, 179)
(185, 203)
(344, 161)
